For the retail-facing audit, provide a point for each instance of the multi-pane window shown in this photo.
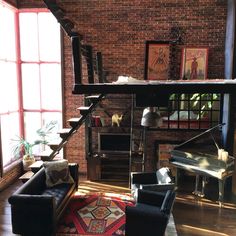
(9, 100)
(40, 70)
(30, 75)
(192, 111)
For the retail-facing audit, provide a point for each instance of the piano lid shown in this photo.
(207, 142)
(202, 151)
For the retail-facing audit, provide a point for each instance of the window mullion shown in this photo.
(19, 75)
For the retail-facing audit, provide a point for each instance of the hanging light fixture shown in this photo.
(151, 117)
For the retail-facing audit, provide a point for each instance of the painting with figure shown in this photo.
(194, 63)
(157, 61)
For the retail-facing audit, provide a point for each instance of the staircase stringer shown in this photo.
(93, 65)
(75, 128)
(60, 15)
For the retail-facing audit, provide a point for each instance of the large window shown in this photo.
(192, 111)
(30, 75)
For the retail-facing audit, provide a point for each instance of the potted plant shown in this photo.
(24, 148)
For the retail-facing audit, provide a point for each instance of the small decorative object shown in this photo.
(157, 60)
(116, 119)
(24, 148)
(223, 155)
(96, 121)
(220, 153)
(194, 63)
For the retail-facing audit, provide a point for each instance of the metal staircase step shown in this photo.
(64, 133)
(84, 110)
(93, 98)
(44, 155)
(54, 146)
(74, 122)
(26, 176)
(36, 166)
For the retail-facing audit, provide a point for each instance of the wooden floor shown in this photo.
(193, 217)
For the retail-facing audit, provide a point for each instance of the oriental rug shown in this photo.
(99, 215)
(94, 215)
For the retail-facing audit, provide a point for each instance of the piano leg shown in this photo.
(204, 180)
(221, 191)
(196, 191)
(176, 178)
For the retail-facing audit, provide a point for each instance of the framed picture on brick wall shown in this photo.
(194, 63)
(157, 60)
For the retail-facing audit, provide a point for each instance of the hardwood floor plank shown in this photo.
(193, 216)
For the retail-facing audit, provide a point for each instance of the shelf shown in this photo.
(116, 127)
(163, 87)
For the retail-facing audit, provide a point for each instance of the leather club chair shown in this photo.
(151, 213)
(161, 180)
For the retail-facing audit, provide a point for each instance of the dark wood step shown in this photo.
(64, 132)
(54, 145)
(93, 98)
(36, 166)
(84, 110)
(74, 122)
(44, 155)
(26, 176)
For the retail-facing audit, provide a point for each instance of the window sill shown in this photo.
(11, 166)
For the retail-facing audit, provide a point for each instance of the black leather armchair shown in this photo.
(36, 209)
(151, 213)
(161, 180)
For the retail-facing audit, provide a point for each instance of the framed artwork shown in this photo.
(194, 63)
(157, 60)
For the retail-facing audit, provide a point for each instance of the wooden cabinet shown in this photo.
(114, 161)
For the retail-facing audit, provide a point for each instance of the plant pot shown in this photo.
(27, 162)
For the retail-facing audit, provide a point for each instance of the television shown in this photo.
(113, 143)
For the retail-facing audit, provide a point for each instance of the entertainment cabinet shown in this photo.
(110, 159)
(110, 150)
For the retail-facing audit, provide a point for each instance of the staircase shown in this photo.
(94, 67)
(78, 50)
(65, 135)
(75, 124)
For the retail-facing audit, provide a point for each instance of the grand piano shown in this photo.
(199, 155)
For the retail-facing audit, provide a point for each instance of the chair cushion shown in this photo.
(163, 176)
(57, 172)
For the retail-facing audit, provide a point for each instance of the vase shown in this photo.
(27, 163)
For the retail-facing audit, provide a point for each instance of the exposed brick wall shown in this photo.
(30, 3)
(119, 30)
(12, 2)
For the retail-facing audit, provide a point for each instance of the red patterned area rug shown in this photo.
(94, 215)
